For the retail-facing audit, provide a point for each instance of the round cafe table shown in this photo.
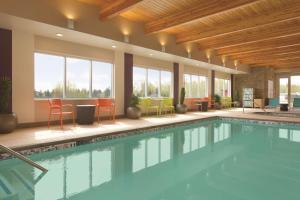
(85, 114)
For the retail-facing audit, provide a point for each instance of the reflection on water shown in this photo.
(208, 160)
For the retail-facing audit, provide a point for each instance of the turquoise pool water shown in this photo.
(212, 160)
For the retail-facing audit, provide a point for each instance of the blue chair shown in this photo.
(273, 103)
(296, 103)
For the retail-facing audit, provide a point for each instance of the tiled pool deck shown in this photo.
(30, 137)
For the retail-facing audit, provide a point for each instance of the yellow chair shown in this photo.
(167, 105)
(226, 102)
(147, 105)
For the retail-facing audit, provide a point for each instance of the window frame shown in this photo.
(223, 89)
(199, 82)
(159, 81)
(65, 56)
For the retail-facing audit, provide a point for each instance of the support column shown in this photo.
(176, 83)
(128, 85)
(231, 87)
(212, 93)
(6, 58)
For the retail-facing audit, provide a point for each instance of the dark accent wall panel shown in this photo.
(128, 87)
(176, 83)
(231, 85)
(6, 57)
(213, 75)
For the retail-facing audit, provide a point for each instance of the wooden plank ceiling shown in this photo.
(254, 32)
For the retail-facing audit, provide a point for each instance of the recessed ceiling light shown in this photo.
(59, 35)
(150, 54)
(114, 46)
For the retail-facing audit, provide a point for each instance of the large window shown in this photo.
(66, 77)
(195, 86)
(222, 87)
(49, 76)
(151, 82)
(78, 78)
(283, 89)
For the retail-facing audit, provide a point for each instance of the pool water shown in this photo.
(211, 160)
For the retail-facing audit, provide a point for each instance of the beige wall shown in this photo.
(29, 109)
(23, 78)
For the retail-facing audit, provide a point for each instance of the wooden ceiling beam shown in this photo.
(268, 60)
(268, 51)
(268, 32)
(197, 12)
(292, 61)
(117, 7)
(284, 14)
(268, 57)
(254, 46)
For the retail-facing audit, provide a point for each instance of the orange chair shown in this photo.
(106, 105)
(56, 108)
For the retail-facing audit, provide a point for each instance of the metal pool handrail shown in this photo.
(23, 158)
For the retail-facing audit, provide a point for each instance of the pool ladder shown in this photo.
(23, 158)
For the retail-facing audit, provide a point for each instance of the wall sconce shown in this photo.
(224, 61)
(70, 23)
(189, 54)
(163, 48)
(126, 38)
(236, 62)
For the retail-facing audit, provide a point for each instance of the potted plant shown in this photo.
(217, 99)
(8, 120)
(181, 107)
(134, 112)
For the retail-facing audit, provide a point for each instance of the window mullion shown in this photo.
(91, 81)
(159, 84)
(146, 83)
(65, 78)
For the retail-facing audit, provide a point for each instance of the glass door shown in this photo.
(283, 90)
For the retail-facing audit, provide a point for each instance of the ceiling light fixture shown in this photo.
(150, 54)
(113, 46)
(59, 34)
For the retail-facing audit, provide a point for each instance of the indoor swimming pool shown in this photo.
(226, 159)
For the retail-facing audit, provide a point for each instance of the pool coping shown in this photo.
(73, 142)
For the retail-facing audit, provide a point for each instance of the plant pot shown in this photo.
(181, 108)
(134, 112)
(8, 122)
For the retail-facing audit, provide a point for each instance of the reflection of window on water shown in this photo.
(222, 132)
(74, 171)
(151, 152)
(292, 135)
(295, 135)
(194, 139)
(283, 133)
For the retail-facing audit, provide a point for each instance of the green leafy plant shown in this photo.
(5, 91)
(217, 98)
(134, 101)
(182, 95)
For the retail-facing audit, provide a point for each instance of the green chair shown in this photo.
(296, 103)
(147, 105)
(167, 105)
